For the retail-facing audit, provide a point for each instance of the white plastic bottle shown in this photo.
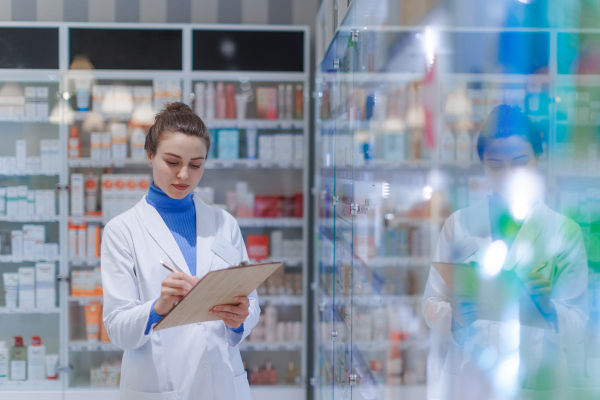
(36, 360)
(3, 362)
(210, 101)
(138, 139)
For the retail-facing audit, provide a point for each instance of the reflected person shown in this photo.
(498, 360)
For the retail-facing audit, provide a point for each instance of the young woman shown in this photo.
(199, 361)
(484, 359)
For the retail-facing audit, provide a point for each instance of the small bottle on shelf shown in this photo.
(291, 374)
(18, 360)
(3, 362)
(229, 101)
(299, 104)
(74, 143)
(221, 103)
(210, 101)
(36, 357)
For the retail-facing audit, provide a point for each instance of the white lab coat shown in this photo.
(544, 236)
(183, 363)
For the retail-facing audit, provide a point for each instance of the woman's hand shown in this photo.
(539, 289)
(466, 311)
(233, 316)
(173, 288)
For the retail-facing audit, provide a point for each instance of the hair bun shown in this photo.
(177, 107)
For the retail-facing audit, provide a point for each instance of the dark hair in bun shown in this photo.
(175, 117)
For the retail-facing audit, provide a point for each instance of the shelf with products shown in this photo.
(82, 345)
(38, 386)
(242, 222)
(223, 99)
(282, 301)
(27, 310)
(271, 346)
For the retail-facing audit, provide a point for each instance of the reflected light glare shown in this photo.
(389, 217)
(488, 358)
(506, 376)
(430, 43)
(511, 335)
(385, 190)
(495, 257)
(427, 192)
(520, 206)
(525, 1)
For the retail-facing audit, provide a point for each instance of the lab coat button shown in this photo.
(204, 366)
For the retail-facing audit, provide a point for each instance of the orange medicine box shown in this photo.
(257, 246)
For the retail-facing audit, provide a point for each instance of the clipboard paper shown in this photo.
(503, 295)
(216, 288)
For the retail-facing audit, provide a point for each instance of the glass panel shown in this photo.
(475, 166)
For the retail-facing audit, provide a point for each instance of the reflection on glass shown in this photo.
(498, 345)
(457, 217)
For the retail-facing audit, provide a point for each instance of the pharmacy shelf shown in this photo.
(277, 300)
(14, 260)
(94, 262)
(283, 300)
(25, 119)
(242, 222)
(16, 173)
(42, 385)
(86, 162)
(25, 310)
(218, 163)
(254, 123)
(270, 346)
(286, 261)
(86, 218)
(381, 262)
(256, 392)
(270, 222)
(84, 262)
(82, 301)
(82, 345)
(210, 124)
(29, 218)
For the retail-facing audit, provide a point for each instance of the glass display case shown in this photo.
(401, 96)
(73, 158)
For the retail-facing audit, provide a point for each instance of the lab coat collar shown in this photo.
(156, 227)
(532, 227)
(206, 229)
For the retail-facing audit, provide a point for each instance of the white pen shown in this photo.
(167, 266)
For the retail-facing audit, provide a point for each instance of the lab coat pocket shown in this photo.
(128, 394)
(241, 386)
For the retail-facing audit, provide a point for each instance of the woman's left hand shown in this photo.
(233, 316)
(539, 289)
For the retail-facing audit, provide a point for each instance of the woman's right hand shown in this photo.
(173, 288)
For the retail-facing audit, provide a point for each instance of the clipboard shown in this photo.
(500, 293)
(216, 288)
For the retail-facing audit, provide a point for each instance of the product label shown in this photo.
(18, 370)
(3, 367)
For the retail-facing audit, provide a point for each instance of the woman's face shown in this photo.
(178, 164)
(506, 158)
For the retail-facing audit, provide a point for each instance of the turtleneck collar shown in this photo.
(159, 199)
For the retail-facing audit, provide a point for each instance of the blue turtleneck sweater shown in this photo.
(180, 218)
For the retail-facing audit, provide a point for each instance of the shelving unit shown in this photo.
(285, 177)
